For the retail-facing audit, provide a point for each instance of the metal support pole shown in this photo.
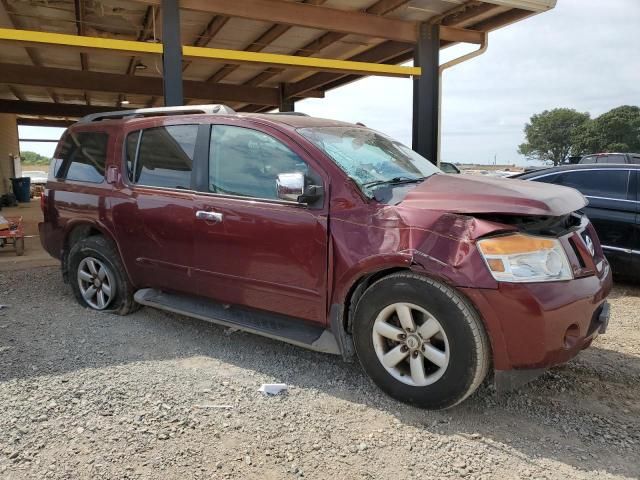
(426, 91)
(172, 55)
(286, 104)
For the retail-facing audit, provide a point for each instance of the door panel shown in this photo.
(263, 255)
(251, 248)
(155, 218)
(157, 228)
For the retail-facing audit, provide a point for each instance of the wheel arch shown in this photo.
(79, 230)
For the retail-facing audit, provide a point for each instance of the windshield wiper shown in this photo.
(393, 181)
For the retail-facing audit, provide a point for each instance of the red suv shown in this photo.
(330, 236)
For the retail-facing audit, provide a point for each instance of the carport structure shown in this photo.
(62, 59)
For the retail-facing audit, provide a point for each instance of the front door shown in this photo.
(251, 248)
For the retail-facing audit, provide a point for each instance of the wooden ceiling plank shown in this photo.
(310, 16)
(382, 7)
(259, 44)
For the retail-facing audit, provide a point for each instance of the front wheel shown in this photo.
(420, 341)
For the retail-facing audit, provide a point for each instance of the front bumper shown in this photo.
(535, 326)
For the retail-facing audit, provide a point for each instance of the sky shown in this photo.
(584, 54)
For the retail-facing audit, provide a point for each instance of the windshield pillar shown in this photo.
(426, 92)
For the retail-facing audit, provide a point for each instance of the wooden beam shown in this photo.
(471, 14)
(78, 8)
(49, 109)
(29, 37)
(462, 35)
(259, 44)
(44, 122)
(382, 7)
(379, 53)
(116, 83)
(310, 16)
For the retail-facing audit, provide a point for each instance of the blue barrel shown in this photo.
(22, 189)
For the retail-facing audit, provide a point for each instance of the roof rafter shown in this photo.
(116, 83)
(31, 52)
(307, 15)
(259, 44)
(382, 7)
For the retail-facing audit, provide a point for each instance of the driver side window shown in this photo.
(247, 162)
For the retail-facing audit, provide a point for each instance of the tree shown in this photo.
(550, 135)
(618, 130)
(33, 158)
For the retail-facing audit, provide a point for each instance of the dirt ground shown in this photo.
(157, 395)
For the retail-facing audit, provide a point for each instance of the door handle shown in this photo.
(214, 217)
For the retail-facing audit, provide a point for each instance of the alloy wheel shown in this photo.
(410, 344)
(96, 283)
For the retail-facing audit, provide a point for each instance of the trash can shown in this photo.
(22, 189)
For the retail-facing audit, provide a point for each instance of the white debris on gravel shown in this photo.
(153, 404)
(273, 388)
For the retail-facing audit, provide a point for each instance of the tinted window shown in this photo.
(165, 156)
(613, 159)
(84, 155)
(246, 162)
(588, 159)
(600, 183)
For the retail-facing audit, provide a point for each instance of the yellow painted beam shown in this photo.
(35, 38)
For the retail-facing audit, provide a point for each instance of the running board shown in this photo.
(279, 327)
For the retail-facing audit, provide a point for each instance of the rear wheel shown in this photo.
(420, 341)
(98, 278)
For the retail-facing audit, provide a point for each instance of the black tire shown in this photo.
(467, 343)
(102, 249)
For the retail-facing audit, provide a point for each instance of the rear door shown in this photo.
(611, 209)
(154, 218)
(251, 248)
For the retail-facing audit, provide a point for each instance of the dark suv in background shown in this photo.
(330, 236)
(633, 158)
(614, 207)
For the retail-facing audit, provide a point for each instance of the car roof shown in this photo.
(577, 166)
(292, 120)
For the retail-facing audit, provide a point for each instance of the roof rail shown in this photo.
(294, 114)
(150, 112)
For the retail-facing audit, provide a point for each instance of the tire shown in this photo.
(448, 339)
(97, 257)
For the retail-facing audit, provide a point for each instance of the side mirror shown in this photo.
(291, 187)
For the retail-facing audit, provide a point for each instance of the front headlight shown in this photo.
(525, 258)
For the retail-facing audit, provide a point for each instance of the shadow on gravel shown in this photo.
(585, 414)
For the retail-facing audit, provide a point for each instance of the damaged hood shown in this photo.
(469, 194)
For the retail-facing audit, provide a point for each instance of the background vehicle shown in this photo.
(614, 207)
(330, 236)
(633, 158)
(447, 167)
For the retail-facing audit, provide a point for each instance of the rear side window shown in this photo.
(588, 159)
(600, 183)
(613, 159)
(162, 156)
(83, 157)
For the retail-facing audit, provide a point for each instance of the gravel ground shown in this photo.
(156, 395)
